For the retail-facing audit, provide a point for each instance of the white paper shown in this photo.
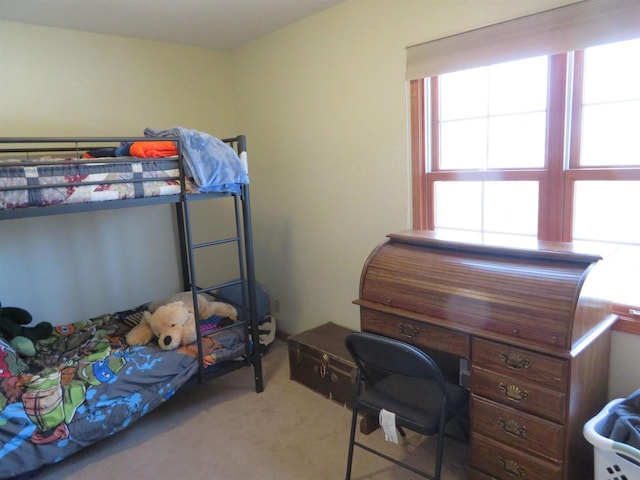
(387, 421)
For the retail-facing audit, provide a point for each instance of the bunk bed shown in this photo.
(85, 382)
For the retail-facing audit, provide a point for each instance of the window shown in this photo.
(500, 111)
(546, 147)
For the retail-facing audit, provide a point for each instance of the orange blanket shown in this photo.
(153, 149)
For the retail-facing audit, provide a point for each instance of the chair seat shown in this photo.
(418, 408)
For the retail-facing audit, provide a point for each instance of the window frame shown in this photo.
(556, 180)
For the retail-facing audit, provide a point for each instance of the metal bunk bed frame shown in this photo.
(243, 236)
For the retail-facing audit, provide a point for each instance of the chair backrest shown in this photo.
(390, 356)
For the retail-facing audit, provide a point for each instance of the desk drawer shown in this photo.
(417, 333)
(473, 474)
(517, 429)
(504, 359)
(506, 463)
(518, 394)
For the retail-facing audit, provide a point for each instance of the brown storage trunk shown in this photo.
(319, 359)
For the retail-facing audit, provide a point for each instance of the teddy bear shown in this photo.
(172, 320)
(22, 338)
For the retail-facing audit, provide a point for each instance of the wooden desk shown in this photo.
(530, 321)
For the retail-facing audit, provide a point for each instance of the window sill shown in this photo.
(628, 320)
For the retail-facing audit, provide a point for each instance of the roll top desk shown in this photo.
(530, 322)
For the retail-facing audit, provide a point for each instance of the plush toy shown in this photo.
(206, 307)
(22, 338)
(173, 323)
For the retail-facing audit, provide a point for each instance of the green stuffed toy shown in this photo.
(22, 338)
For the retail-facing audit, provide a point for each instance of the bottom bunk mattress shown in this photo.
(85, 383)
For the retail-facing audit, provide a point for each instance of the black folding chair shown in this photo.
(404, 380)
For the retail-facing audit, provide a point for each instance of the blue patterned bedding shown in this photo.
(85, 383)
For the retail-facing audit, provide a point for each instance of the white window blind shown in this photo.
(572, 27)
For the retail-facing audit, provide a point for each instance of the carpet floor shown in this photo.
(223, 430)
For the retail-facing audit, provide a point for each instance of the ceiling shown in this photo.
(216, 24)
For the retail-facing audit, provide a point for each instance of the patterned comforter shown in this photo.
(63, 181)
(85, 383)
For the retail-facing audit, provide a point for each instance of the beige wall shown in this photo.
(324, 104)
(62, 82)
(67, 83)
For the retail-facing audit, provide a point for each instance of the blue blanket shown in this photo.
(86, 383)
(623, 424)
(214, 165)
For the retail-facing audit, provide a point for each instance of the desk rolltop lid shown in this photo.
(543, 295)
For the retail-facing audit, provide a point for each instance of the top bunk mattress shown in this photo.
(51, 181)
(39, 172)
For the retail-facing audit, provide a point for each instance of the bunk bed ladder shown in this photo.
(244, 240)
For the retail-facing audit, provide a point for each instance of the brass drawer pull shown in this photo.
(512, 428)
(512, 468)
(513, 392)
(407, 330)
(514, 361)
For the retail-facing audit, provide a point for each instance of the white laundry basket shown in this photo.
(612, 460)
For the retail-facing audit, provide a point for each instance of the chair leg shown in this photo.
(439, 448)
(354, 421)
